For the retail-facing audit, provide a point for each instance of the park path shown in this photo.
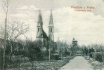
(78, 63)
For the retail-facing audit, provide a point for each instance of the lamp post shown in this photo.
(88, 52)
(61, 53)
(49, 53)
(95, 54)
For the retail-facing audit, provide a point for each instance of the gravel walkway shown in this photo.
(78, 63)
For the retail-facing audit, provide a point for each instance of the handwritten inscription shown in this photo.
(83, 8)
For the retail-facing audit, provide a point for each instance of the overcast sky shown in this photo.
(85, 27)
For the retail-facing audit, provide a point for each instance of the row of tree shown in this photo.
(94, 51)
(63, 48)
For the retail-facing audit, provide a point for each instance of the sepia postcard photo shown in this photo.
(51, 34)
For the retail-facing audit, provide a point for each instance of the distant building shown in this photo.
(74, 42)
(74, 47)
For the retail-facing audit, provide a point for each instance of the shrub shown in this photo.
(99, 57)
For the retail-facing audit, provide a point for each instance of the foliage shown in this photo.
(99, 57)
(34, 50)
(94, 51)
(1, 58)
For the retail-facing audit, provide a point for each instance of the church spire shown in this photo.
(51, 28)
(40, 22)
(39, 26)
(51, 19)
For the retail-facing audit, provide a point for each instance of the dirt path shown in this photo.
(78, 63)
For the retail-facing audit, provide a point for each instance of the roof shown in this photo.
(40, 19)
(74, 40)
(44, 34)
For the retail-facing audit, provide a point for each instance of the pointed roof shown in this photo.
(51, 19)
(74, 40)
(44, 34)
(40, 22)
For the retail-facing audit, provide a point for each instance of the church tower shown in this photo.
(51, 28)
(39, 26)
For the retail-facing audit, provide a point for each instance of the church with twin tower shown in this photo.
(41, 34)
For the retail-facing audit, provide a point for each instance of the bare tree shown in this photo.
(15, 28)
(14, 31)
(5, 6)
